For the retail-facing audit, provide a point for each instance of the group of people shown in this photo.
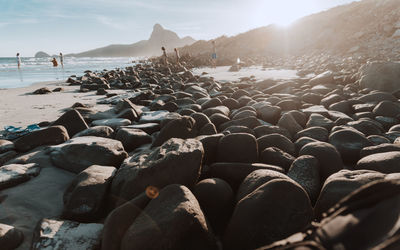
(164, 58)
(54, 61)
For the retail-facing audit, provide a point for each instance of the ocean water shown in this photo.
(35, 70)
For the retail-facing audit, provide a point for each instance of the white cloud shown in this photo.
(110, 23)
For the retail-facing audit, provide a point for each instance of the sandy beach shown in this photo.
(20, 108)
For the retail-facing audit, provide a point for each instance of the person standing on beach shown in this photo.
(214, 55)
(61, 60)
(177, 55)
(164, 56)
(54, 61)
(18, 61)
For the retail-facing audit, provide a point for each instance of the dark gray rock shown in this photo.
(10, 237)
(47, 136)
(132, 138)
(388, 162)
(239, 147)
(100, 131)
(73, 121)
(14, 174)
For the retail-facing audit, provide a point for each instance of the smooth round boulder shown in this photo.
(201, 119)
(10, 237)
(276, 156)
(317, 133)
(387, 108)
(340, 184)
(240, 147)
(305, 171)
(388, 162)
(327, 155)
(276, 140)
(100, 131)
(273, 211)
(349, 143)
(183, 127)
(132, 138)
(216, 200)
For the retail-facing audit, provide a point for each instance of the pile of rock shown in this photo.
(186, 162)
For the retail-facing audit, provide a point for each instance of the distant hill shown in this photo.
(368, 27)
(152, 47)
(41, 54)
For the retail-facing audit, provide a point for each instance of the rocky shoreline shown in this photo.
(182, 161)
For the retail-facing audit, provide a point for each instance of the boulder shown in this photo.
(327, 155)
(388, 162)
(305, 171)
(216, 200)
(273, 211)
(266, 130)
(323, 78)
(7, 156)
(239, 147)
(276, 140)
(73, 121)
(14, 174)
(175, 219)
(6, 145)
(349, 143)
(85, 198)
(132, 138)
(176, 161)
(210, 145)
(387, 108)
(10, 237)
(288, 122)
(384, 76)
(114, 123)
(317, 120)
(64, 234)
(100, 131)
(277, 157)
(80, 153)
(340, 184)
(382, 148)
(120, 219)
(183, 128)
(47, 136)
(42, 91)
(317, 133)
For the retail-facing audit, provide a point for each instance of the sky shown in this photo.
(72, 26)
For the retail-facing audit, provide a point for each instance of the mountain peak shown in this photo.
(157, 27)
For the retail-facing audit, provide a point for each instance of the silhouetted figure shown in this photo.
(54, 61)
(214, 55)
(61, 60)
(177, 55)
(164, 58)
(18, 61)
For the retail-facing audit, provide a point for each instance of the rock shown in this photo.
(85, 198)
(42, 91)
(210, 145)
(153, 116)
(269, 113)
(218, 119)
(14, 174)
(388, 162)
(305, 171)
(217, 110)
(340, 184)
(366, 127)
(377, 140)
(216, 200)
(263, 216)
(387, 108)
(349, 143)
(208, 129)
(175, 219)
(120, 219)
(183, 128)
(114, 123)
(239, 147)
(277, 157)
(382, 148)
(276, 140)
(238, 129)
(127, 104)
(64, 234)
(382, 76)
(317, 120)
(176, 161)
(323, 78)
(234, 173)
(80, 153)
(73, 121)
(327, 155)
(299, 143)
(201, 120)
(214, 102)
(288, 122)
(256, 179)
(129, 114)
(99, 131)
(10, 237)
(132, 138)
(243, 114)
(250, 122)
(149, 128)
(6, 145)
(48, 136)
(317, 133)
(266, 130)
(376, 97)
